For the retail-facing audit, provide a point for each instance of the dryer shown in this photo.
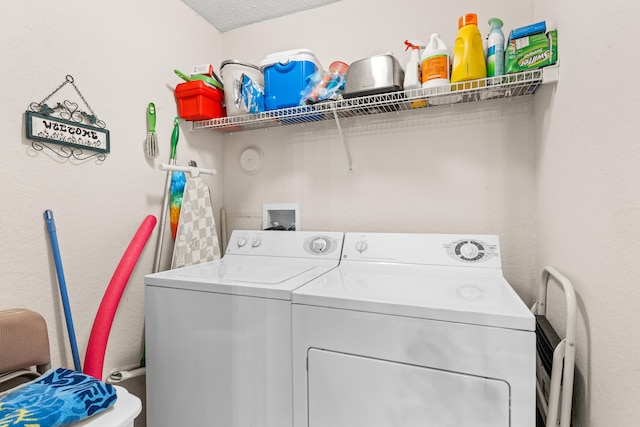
(413, 330)
(218, 334)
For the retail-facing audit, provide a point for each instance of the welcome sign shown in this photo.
(53, 129)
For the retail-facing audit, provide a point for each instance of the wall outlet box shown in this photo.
(281, 216)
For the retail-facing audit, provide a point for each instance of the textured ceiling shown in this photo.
(226, 15)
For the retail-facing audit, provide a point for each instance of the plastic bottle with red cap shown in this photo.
(468, 54)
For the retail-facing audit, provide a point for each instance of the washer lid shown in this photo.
(267, 277)
(241, 271)
(477, 296)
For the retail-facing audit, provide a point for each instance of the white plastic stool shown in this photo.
(25, 343)
(122, 414)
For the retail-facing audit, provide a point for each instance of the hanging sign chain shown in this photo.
(65, 124)
(67, 105)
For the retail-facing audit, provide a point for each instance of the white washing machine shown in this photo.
(218, 335)
(413, 330)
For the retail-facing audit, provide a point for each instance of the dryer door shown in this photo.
(347, 390)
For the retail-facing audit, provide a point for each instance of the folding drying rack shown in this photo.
(555, 359)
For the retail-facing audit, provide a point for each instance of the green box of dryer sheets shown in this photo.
(530, 52)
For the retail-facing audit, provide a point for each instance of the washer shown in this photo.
(413, 330)
(218, 335)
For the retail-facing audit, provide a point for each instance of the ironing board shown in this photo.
(196, 237)
(556, 357)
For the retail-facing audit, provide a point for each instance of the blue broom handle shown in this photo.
(51, 226)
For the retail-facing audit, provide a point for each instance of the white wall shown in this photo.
(565, 194)
(472, 172)
(588, 200)
(121, 55)
(558, 183)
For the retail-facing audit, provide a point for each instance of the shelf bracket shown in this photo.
(550, 74)
(344, 141)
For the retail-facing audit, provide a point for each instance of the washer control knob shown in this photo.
(319, 245)
(242, 241)
(256, 242)
(469, 250)
(361, 246)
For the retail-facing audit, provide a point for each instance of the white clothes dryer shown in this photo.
(413, 330)
(218, 334)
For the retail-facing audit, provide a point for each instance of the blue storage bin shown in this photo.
(285, 77)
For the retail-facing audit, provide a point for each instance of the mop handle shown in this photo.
(163, 219)
(51, 226)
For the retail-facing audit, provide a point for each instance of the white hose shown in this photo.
(128, 372)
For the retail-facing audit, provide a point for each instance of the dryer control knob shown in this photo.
(361, 246)
(256, 242)
(242, 241)
(319, 245)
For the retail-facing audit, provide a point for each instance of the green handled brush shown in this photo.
(151, 147)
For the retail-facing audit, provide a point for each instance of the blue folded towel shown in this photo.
(58, 398)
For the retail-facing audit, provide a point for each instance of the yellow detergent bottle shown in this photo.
(468, 54)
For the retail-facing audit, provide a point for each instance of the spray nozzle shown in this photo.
(496, 23)
(414, 44)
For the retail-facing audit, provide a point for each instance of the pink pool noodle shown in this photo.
(94, 358)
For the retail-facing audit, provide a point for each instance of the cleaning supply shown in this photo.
(436, 72)
(198, 101)
(234, 74)
(62, 284)
(152, 140)
(210, 81)
(530, 52)
(176, 192)
(167, 194)
(528, 30)
(206, 70)
(435, 63)
(322, 85)
(468, 54)
(285, 77)
(251, 95)
(412, 75)
(495, 49)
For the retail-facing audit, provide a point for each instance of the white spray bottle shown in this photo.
(412, 74)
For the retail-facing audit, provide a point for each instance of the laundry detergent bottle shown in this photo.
(468, 54)
(435, 63)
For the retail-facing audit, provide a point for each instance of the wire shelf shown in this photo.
(508, 86)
